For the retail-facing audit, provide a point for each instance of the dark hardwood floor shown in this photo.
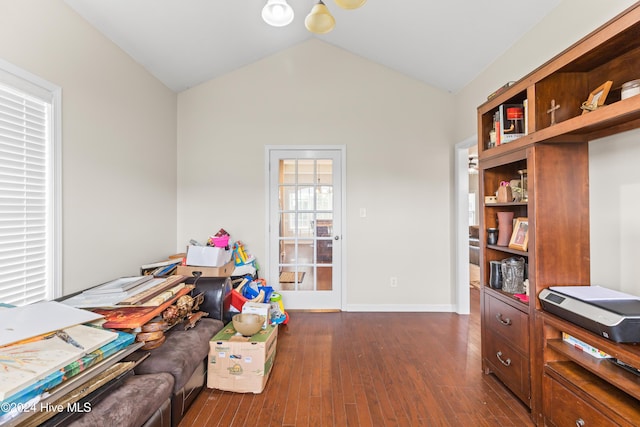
(371, 369)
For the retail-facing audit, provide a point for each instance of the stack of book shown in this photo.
(47, 344)
(510, 122)
(161, 268)
(137, 291)
(129, 303)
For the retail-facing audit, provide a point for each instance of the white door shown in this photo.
(305, 240)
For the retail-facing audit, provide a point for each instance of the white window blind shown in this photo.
(26, 192)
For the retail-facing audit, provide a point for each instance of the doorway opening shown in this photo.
(466, 212)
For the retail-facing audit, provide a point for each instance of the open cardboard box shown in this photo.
(241, 364)
(223, 271)
(207, 256)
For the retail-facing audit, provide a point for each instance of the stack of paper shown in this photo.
(24, 364)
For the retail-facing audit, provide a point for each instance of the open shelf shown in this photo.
(612, 390)
(608, 398)
(603, 368)
(606, 120)
(509, 250)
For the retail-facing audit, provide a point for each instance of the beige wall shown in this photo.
(122, 185)
(300, 96)
(118, 152)
(556, 32)
(614, 187)
(615, 211)
(398, 148)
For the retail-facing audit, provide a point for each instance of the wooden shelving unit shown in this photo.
(542, 369)
(604, 394)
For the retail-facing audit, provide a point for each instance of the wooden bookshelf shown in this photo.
(555, 155)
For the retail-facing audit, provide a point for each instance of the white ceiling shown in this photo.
(186, 42)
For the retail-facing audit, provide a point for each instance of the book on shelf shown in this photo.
(511, 122)
(581, 345)
(525, 106)
(496, 127)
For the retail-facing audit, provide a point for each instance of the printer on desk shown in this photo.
(611, 314)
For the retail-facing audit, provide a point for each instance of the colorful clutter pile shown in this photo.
(250, 294)
(253, 295)
(245, 263)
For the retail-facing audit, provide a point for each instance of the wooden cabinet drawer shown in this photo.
(509, 322)
(563, 408)
(508, 364)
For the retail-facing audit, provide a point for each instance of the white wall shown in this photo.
(612, 160)
(555, 33)
(615, 212)
(398, 143)
(118, 148)
(119, 135)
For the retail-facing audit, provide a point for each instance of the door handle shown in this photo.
(336, 238)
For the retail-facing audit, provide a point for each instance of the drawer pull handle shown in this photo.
(505, 362)
(505, 322)
(580, 422)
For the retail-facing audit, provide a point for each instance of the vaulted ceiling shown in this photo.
(445, 44)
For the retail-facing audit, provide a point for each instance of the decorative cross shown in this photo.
(552, 111)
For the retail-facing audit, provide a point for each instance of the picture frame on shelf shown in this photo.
(520, 236)
(597, 97)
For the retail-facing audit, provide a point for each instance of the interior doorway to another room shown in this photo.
(462, 214)
(474, 218)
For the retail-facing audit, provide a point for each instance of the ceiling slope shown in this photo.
(445, 44)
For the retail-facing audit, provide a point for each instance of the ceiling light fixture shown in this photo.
(320, 20)
(277, 13)
(350, 4)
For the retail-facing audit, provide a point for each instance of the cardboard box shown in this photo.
(207, 256)
(259, 308)
(222, 271)
(241, 364)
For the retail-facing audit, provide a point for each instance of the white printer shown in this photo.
(611, 314)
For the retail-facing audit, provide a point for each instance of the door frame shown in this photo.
(343, 235)
(461, 178)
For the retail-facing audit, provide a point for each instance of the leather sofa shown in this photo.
(162, 387)
(183, 355)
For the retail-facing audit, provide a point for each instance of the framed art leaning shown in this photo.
(520, 236)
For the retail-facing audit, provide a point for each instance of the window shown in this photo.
(29, 187)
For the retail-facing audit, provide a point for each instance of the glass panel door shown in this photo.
(305, 194)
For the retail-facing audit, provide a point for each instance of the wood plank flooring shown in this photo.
(371, 369)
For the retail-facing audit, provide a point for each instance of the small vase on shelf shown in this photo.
(492, 236)
(505, 228)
